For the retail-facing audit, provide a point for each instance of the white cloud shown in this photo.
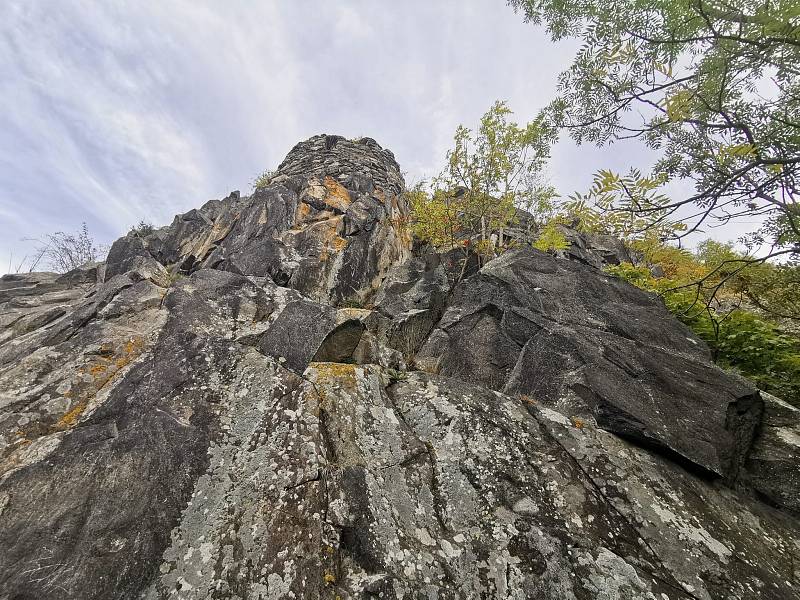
(114, 112)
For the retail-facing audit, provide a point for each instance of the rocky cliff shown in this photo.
(276, 396)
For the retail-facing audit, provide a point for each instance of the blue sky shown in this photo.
(113, 112)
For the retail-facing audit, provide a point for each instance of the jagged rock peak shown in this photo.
(345, 160)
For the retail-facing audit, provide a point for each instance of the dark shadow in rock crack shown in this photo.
(339, 345)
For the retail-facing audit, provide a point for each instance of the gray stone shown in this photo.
(297, 333)
(773, 465)
(226, 409)
(565, 334)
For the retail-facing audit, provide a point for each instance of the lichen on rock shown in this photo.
(276, 396)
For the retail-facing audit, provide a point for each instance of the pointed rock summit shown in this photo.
(280, 396)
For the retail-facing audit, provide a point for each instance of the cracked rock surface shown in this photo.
(277, 397)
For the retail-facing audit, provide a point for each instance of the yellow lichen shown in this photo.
(329, 578)
(578, 423)
(104, 368)
(331, 373)
(71, 417)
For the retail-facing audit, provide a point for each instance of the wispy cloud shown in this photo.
(112, 112)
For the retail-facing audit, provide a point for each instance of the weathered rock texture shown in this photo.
(273, 398)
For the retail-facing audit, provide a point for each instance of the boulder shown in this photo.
(588, 344)
(773, 465)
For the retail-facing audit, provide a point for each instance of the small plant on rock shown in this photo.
(263, 180)
(142, 229)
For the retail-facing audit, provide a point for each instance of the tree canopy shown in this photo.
(714, 86)
(489, 173)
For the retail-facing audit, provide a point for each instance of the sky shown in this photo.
(115, 112)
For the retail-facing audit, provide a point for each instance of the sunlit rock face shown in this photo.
(275, 397)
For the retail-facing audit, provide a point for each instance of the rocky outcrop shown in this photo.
(330, 224)
(773, 465)
(274, 398)
(594, 347)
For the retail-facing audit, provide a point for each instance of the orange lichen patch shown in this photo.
(10, 458)
(578, 423)
(133, 345)
(71, 417)
(330, 241)
(527, 399)
(102, 370)
(97, 370)
(338, 197)
(303, 212)
(332, 373)
(401, 225)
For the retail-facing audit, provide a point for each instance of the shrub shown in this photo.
(551, 239)
(142, 229)
(263, 180)
(62, 252)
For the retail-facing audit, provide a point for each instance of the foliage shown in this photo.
(611, 206)
(489, 174)
(263, 180)
(61, 252)
(713, 85)
(551, 239)
(142, 229)
(436, 216)
(739, 338)
(774, 289)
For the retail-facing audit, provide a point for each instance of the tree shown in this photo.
(488, 175)
(611, 206)
(712, 84)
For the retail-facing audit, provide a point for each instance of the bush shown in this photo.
(61, 252)
(551, 239)
(143, 229)
(263, 180)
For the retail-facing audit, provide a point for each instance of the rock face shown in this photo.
(330, 224)
(274, 398)
(591, 346)
(773, 465)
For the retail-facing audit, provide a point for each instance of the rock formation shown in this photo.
(277, 396)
